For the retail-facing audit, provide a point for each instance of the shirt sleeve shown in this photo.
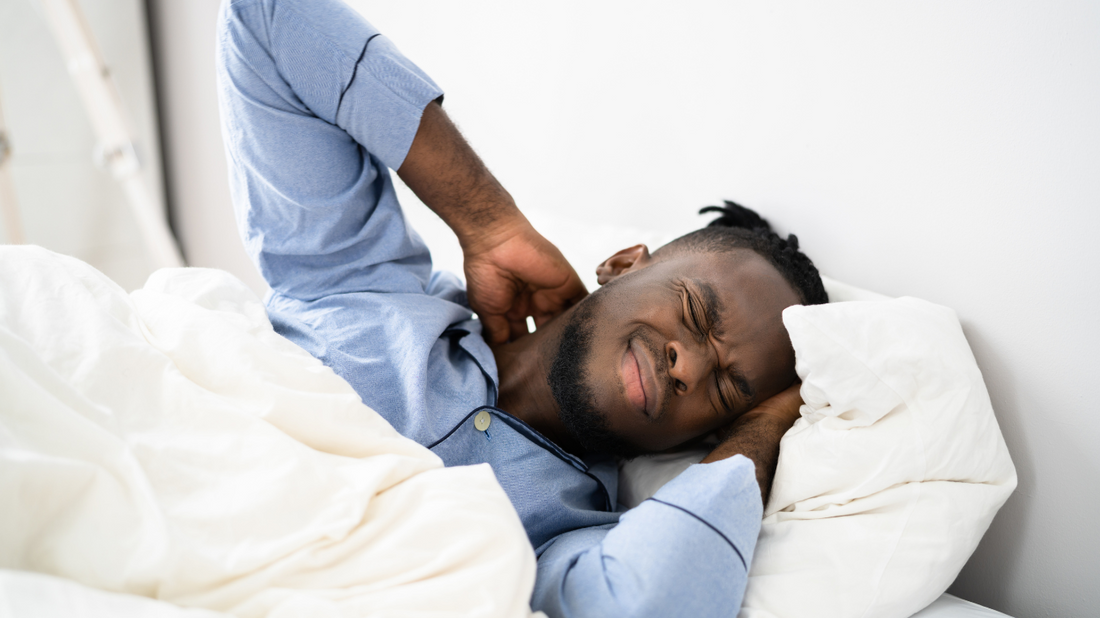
(683, 552)
(315, 106)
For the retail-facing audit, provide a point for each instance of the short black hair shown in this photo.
(742, 228)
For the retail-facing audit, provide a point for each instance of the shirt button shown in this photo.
(482, 420)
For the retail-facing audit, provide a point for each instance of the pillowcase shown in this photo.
(892, 475)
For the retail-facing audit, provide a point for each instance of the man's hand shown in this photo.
(783, 407)
(516, 273)
(756, 435)
(511, 271)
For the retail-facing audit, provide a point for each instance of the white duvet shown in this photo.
(166, 449)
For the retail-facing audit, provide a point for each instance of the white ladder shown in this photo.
(112, 129)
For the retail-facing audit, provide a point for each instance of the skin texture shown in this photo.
(699, 359)
(511, 270)
(677, 344)
(757, 434)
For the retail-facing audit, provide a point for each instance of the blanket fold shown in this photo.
(169, 444)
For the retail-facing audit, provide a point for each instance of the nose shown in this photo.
(688, 365)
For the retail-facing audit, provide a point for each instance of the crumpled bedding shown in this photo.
(166, 449)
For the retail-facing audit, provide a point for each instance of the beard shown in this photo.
(569, 383)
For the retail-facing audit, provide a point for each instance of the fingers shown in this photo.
(517, 329)
(494, 328)
(517, 316)
(541, 305)
(549, 304)
(499, 329)
(525, 275)
(510, 324)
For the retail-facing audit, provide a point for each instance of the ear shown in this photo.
(624, 261)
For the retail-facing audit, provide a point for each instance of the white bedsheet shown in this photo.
(949, 606)
(167, 444)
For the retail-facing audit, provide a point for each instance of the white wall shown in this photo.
(66, 203)
(946, 149)
(198, 187)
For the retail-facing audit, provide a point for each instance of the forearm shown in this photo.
(448, 176)
(511, 271)
(757, 433)
(756, 436)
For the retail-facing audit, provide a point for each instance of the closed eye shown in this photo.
(727, 405)
(695, 316)
(746, 390)
(730, 388)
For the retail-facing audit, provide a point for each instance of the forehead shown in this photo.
(739, 281)
(744, 297)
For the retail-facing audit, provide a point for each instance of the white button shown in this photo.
(482, 420)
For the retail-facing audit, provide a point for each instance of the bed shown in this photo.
(133, 421)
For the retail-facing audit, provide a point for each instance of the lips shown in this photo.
(638, 379)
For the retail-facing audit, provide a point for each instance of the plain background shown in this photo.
(66, 202)
(948, 150)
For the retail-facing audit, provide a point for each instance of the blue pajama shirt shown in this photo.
(316, 108)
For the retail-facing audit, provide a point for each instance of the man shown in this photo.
(316, 105)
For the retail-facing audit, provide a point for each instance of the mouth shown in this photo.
(638, 379)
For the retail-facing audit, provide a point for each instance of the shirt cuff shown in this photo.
(382, 106)
(724, 495)
(346, 73)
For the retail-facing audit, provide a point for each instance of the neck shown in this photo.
(522, 367)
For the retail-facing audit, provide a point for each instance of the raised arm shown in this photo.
(511, 270)
(315, 105)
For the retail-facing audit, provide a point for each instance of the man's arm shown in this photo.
(684, 552)
(315, 105)
(511, 270)
(756, 435)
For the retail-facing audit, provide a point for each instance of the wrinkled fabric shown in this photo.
(893, 474)
(169, 444)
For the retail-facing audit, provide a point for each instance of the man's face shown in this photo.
(672, 348)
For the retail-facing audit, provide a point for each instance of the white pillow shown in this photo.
(892, 475)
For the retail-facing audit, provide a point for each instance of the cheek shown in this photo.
(602, 377)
